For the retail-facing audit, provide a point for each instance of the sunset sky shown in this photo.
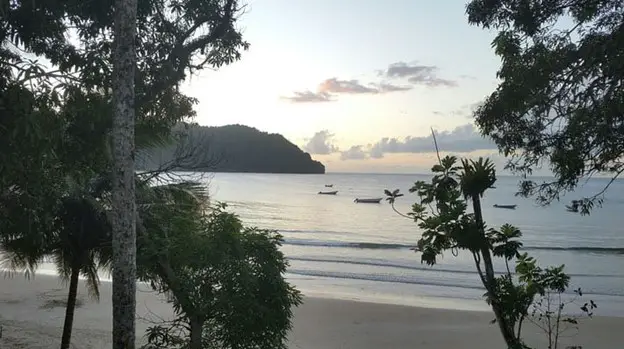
(357, 83)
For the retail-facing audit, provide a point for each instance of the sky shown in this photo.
(357, 83)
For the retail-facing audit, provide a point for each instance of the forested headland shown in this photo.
(231, 148)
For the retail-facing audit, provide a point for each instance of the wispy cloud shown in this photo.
(329, 89)
(334, 85)
(309, 97)
(321, 143)
(412, 75)
(425, 75)
(386, 87)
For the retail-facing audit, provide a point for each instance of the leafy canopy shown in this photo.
(226, 281)
(174, 38)
(560, 101)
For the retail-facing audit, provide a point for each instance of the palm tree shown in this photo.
(78, 241)
(475, 178)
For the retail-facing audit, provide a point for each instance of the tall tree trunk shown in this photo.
(70, 308)
(507, 331)
(124, 206)
(197, 327)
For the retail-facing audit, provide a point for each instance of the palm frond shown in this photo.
(146, 136)
(90, 272)
(62, 260)
(180, 194)
(14, 261)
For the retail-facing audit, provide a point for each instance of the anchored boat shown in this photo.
(367, 201)
(328, 192)
(509, 207)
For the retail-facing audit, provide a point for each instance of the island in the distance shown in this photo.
(231, 148)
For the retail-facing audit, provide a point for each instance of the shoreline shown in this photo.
(32, 312)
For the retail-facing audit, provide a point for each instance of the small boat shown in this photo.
(368, 201)
(329, 185)
(328, 192)
(509, 207)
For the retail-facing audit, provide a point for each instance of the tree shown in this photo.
(226, 281)
(123, 195)
(68, 220)
(30, 129)
(560, 102)
(78, 241)
(441, 214)
(173, 37)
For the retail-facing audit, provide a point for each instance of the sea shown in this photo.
(341, 249)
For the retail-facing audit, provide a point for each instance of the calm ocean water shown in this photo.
(341, 249)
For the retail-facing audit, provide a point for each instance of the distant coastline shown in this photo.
(229, 149)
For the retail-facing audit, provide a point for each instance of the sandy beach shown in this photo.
(31, 315)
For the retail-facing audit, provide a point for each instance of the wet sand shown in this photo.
(32, 311)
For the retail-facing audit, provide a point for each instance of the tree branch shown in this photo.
(173, 72)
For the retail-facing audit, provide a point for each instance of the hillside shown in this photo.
(231, 148)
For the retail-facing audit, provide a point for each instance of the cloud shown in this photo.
(321, 143)
(309, 97)
(462, 139)
(413, 75)
(334, 85)
(425, 75)
(356, 152)
(386, 87)
(330, 88)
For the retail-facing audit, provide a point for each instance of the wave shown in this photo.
(415, 267)
(399, 246)
(362, 245)
(379, 278)
(607, 250)
(411, 280)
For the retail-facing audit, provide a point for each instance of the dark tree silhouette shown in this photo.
(560, 102)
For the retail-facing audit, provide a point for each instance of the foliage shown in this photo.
(77, 240)
(174, 37)
(233, 148)
(226, 281)
(441, 214)
(30, 130)
(56, 119)
(560, 101)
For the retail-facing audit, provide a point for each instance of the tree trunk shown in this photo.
(124, 206)
(506, 330)
(197, 327)
(70, 308)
